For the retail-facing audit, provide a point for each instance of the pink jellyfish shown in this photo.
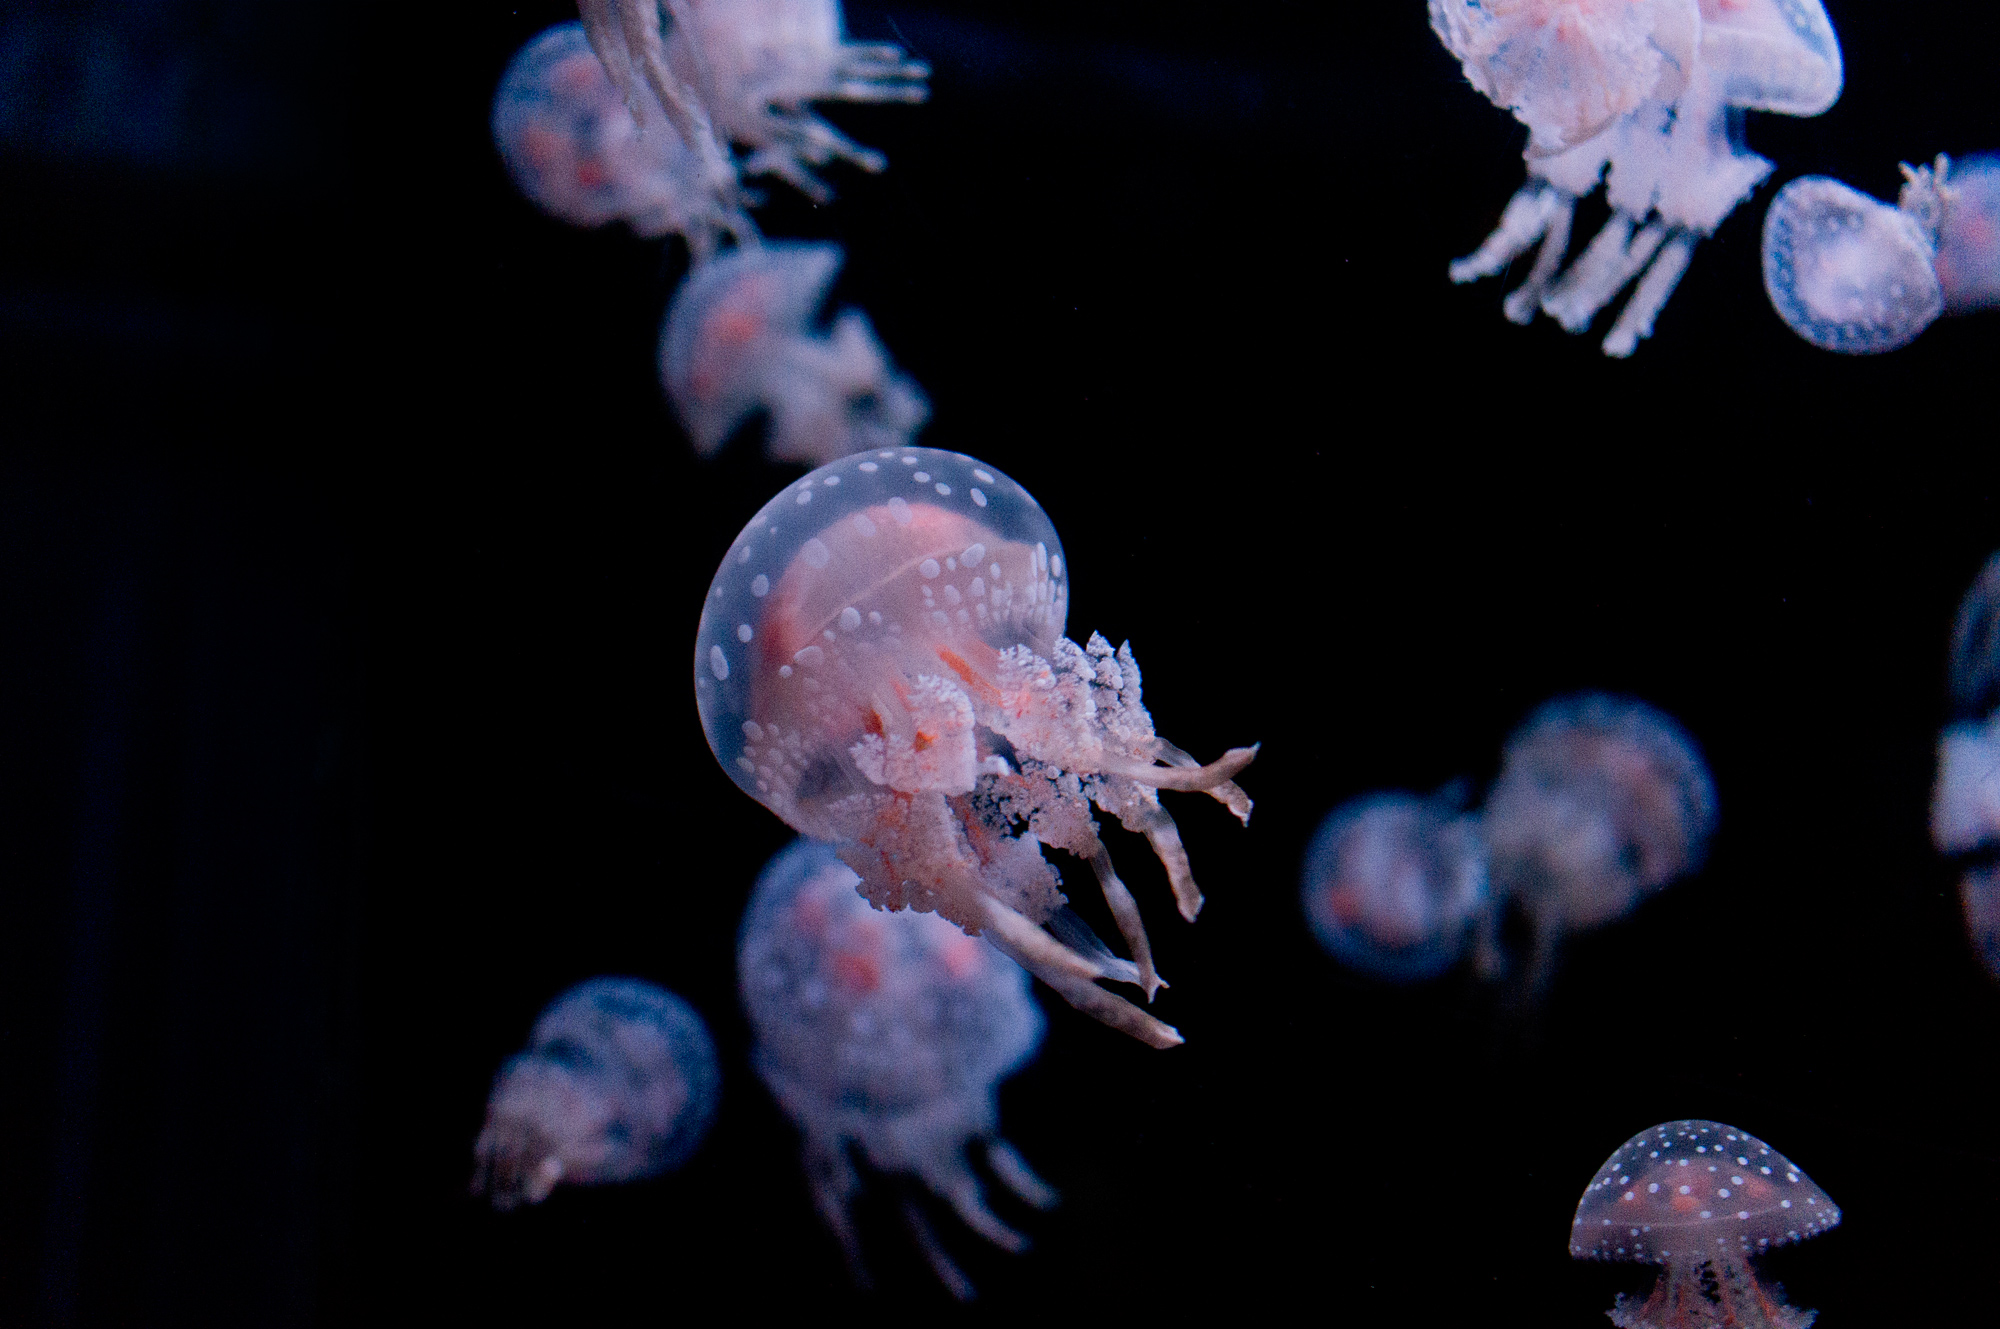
(1646, 88)
(759, 64)
(574, 148)
(890, 1032)
(618, 1083)
(881, 662)
(739, 337)
(1700, 1199)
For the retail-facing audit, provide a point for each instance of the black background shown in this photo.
(349, 562)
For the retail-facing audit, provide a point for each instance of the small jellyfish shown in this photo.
(1650, 89)
(739, 336)
(574, 148)
(1850, 273)
(887, 1031)
(881, 662)
(1965, 807)
(619, 1082)
(758, 64)
(1700, 1199)
(1600, 801)
(1394, 885)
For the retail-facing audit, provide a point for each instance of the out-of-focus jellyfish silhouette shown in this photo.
(1979, 896)
(1394, 885)
(887, 1031)
(619, 1082)
(1965, 806)
(740, 336)
(1975, 646)
(575, 149)
(1651, 89)
(629, 37)
(881, 662)
(1600, 801)
(1850, 273)
(1699, 1199)
(759, 64)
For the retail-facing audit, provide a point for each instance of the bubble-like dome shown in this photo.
(1845, 271)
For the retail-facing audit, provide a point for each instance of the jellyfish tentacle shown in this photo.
(1228, 793)
(830, 1173)
(947, 1272)
(1125, 910)
(1199, 779)
(1015, 1174)
(1635, 321)
(1520, 304)
(954, 1183)
(1070, 974)
(1616, 254)
(1528, 217)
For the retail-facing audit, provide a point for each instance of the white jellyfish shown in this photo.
(619, 1082)
(1394, 885)
(741, 336)
(881, 663)
(1646, 88)
(890, 1033)
(759, 64)
(1850, 273)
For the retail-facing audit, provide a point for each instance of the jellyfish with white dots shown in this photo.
(741, 336)
(1651, 90)
(1395, 885)
(1702, 1200)
(1601, 801)
(575, 149)
(758, 65)
(881, 663)
(618, 1083)
(890, 1033)
(1849, 273)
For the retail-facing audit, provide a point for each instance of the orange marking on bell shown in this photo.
(956, 663)
(922, 741)
(857, 973)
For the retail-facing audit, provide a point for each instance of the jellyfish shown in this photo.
(1394, 885)
(1965, 808)
(1650, 89)
(739, 336)
(1975, 646)
(758, 64)
(1979, 897)
(1850, 273)
(1701, 1200)
(1601, 800)
(629, 37)
(618, 1083)
(890, 1032)
(881, 663)
(574, 148)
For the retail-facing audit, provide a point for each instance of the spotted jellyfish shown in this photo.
(1601, 800)
(740, 337)
(881, 663)
(1700, 1199)
(1394, 885)
(619, 1082)
(573, 147)
(760, 64)
(1651, 89)
(890, 1033)
(1850, 273)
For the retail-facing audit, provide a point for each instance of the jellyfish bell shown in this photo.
(1846, 272)
(881, 663)
(1393, 885)
(1965, 805)
(1700, 1199)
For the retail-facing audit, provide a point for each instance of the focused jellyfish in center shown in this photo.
(881, 662)
(740, 336)
(1651, 89)
(1850, 273)
(1601, 800)
(1395, 885)
(1700, 1199)
(619, 1082)
(890, 1032)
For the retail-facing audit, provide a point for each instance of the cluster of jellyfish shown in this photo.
(1965, 806)
(653, 113)
(1600, 801)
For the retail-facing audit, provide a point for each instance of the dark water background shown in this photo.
(349, 562)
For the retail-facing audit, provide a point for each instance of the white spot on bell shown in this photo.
(718, 663)
(850, 618)
(929, 567)
(978, 499)
(760, 586)
(815, 552)
(744, 632)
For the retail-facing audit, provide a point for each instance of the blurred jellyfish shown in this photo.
(1979, 896)
(881, 663)
(740, 336)
(574, 148)
(1850, 273)
(1394, 885)
(1651, 89)
(1965, 808)
(887, 1031)
(1701, 1200)
(629, 37)
(758, 64)
(1975, 646)
(1600, 801)
(619, 1082)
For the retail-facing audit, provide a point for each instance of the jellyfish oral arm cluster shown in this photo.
(1643, 90)
(881, 663)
